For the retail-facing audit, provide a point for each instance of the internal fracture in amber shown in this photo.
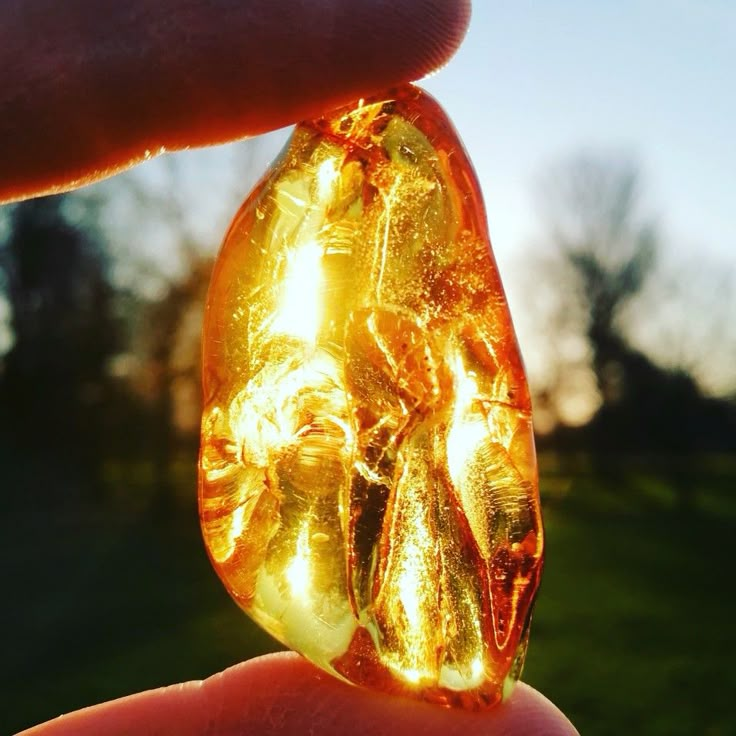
(368, 488)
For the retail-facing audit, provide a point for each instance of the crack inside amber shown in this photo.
(368, 488)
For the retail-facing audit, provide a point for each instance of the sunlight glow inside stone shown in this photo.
(368, 483)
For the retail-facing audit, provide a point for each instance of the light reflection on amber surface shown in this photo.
(368, 487)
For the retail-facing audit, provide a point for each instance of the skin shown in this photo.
(283, 695)
(92, 87)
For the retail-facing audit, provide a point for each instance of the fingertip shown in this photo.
(527, 711)
(430, 31)
(282, 694)
(114, 84)
(285, 694)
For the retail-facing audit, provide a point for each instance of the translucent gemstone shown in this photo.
(368, 488)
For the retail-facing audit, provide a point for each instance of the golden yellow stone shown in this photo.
(368, 488)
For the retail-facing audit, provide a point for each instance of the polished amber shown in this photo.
(368, 488)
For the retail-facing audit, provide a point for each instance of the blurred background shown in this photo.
(601, 136)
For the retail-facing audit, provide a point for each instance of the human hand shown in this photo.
(282, 695)
(90, 88)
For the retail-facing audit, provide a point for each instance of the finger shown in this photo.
(90, 87)
(282, 694)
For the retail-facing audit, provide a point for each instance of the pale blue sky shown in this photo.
(536, 81)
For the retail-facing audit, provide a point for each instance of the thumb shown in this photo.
(282, 694)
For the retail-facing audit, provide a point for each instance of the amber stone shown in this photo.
(368, 489)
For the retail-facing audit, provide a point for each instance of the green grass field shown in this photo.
(633, 631)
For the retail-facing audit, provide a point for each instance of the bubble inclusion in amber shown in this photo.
(368, 487)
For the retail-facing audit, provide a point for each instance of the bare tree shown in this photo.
(603, 264)
(608, 252)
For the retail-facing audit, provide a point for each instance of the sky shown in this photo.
(533, 84)
(653, 79)
(536, 82)
(650, 80)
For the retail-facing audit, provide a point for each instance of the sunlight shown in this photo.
(230, 539)
(466, 431)
(410, 583)
(300, 310)
(413, 588)
(327, 174)
(297, 573)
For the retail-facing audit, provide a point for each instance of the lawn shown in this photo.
(633, 630)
